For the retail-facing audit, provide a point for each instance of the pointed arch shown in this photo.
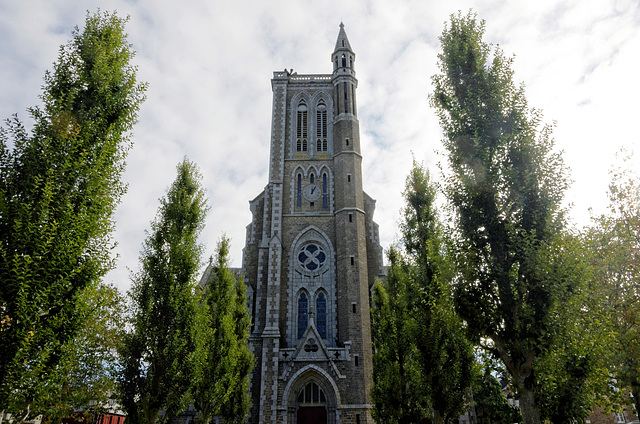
(302, 313)
(313, 233)
(299, 189)
(321, 313)
(325, 178)
(302, 175)
(309, 375)
(300, 107)
(323, 109)
(301, 126)
(325, 192)
(312, 269)
(321, 126)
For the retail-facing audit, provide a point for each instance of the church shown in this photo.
(312, 254)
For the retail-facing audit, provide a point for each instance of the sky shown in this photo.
(209, 66)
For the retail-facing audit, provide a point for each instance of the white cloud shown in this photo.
(209, 66)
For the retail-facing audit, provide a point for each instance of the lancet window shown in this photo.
(301, 128)
(321, 127)
(321, 315)
(299, 191)
(312, 394)
(303, 314)
(325, 197)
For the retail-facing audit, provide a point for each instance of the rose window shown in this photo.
(312, 257)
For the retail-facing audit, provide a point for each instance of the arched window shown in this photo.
(325, 200)
(344, 61)
(321, 127)
(299, 191)
(312, 179)
(303, 317)
(346, 106)
(353, 99)
(312, 394)
(321, 313)
(301, 128)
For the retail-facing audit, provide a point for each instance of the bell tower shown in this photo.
(312, 254)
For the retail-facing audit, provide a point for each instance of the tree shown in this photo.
(89, 364)
(59, 186)
(490, 403)
(159, 353)
(223, 388)
(505, 185)
(445, 352)
(615, 243)
(573, 376)
(418, 337)
(398, 392)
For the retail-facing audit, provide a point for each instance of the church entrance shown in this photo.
(312, 407)
(312, 415)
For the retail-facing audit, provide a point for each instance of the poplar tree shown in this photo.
(159, 353)
(422, 360)
(506, 185)
(59, 186)
(226, 361)
(446, 355)
(398, 391)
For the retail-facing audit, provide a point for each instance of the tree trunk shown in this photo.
(528, 407)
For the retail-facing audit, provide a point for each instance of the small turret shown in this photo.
(343, 57)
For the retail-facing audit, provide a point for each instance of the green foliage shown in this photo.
(422, 358)
(506, 185)
(59, 186)
(445, 353)
(615, 245)
(89, 365)
(398, 392)
(223, 388)
(159, 353)
(490, 403)
(573, 375)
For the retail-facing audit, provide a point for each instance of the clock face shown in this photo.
(312, 192)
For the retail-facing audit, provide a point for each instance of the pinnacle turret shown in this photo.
(343, 57)
(343, 41)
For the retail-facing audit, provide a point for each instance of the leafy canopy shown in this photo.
(422, 359)
(159, 353)
(223, 386)
(59, 186)
(506, 184)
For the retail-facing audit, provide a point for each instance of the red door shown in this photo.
(312, 415)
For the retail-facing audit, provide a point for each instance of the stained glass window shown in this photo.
(299, 191)
(321, 311)
(303, 317)
(325, 201)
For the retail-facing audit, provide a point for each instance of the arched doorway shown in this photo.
(311, 396)
(312, 405)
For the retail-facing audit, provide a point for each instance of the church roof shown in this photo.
(342, 42)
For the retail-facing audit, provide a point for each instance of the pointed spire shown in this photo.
(343, 42)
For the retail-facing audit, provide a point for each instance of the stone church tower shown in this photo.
(312, 253)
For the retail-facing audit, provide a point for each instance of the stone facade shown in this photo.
(312, 254)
